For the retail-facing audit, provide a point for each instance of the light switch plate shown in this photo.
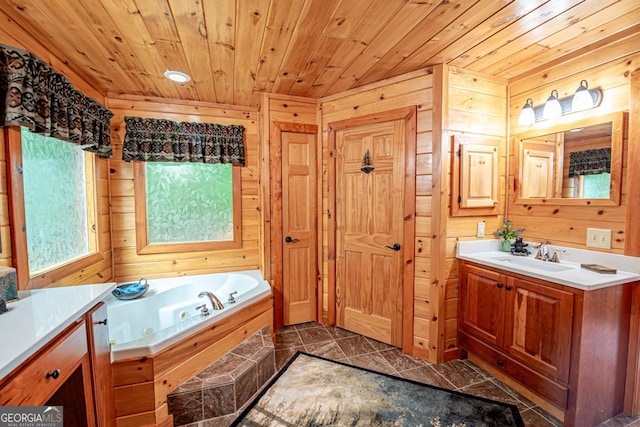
(599, 238)
(480, 231)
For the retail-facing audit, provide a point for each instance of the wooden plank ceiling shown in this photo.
(236, 49)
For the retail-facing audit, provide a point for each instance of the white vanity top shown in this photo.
(567, 272)
(39, 315)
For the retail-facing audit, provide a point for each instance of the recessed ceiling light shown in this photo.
(177, 76)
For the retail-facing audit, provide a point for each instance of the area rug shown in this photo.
(313, 391)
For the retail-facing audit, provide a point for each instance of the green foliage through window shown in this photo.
(55, 200)
(189, 202)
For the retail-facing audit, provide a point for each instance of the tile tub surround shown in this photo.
(40, 315)
(215, 394)
(486, 252)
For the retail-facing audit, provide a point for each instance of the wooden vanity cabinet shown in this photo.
(73, 370)
(101, 373)
(567, 345)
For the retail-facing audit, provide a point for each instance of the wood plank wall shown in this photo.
(411, 89)
(281, 109)
(128, 265)
(608, 68)
(477, 105)
(22, 36)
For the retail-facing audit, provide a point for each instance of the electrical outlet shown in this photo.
(599, 238)
(480, 232)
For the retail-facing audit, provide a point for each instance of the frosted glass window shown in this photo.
(596, 186)
(55, 201)
(189, 202)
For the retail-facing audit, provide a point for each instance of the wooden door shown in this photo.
(538, 326)
(299, 227)
(482, 299)
(370, 229)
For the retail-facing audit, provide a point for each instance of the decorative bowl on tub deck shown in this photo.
(131, 290)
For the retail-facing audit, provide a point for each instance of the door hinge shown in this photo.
(459, 199)
(459, 153)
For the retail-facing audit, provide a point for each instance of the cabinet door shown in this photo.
(99, 349)
(537, 167)
(475, 176)
(482, 299)
(538, 327)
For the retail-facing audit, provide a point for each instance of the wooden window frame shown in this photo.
(143, 246)
(19, 249)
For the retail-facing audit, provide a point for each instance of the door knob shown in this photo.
(289, 239)
(395, 247)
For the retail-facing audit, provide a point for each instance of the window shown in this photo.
(53, 207)
(185, 207)
(595, 186)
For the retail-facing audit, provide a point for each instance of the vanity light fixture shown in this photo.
(177, 76)
(552, 108)
(583, 99)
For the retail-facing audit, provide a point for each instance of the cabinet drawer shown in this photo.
(545, 387)
(31, 386)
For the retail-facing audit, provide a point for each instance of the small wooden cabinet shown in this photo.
(567, 345)
(475, 175)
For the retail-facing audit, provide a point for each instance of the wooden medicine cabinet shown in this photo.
(475, 176)
(573, 164)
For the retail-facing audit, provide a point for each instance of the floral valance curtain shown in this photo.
(590, 162)
(34, 95)
(157, 140)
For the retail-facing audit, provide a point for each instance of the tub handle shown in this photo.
(232, 300)
(204, 311)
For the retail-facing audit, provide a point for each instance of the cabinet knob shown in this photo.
(102, 322)
(499, 285)
(55, 374)
(500, 362)
(508, 287)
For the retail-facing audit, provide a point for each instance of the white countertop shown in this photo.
(486, 252)
(39, 315)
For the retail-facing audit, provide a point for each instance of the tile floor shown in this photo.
(461, 375)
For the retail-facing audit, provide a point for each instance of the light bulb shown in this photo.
(552, 108)
(527, 115)
(582, 100)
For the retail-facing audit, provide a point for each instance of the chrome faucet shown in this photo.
(543, 253)
(215, 302)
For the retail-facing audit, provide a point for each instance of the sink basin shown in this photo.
(533, 263)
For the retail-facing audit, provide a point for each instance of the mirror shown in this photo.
(573, 164)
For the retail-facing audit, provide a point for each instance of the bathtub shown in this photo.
(167, 314)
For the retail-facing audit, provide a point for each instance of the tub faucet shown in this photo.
(215, 302)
